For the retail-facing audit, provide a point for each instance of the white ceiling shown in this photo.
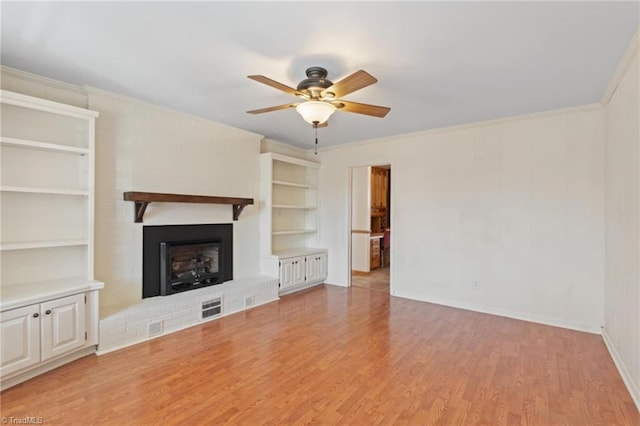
(438, 63)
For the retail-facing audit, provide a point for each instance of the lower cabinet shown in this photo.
(292, 271)
(302, 270)
(20, 338)
(316, 266)
(34, 334)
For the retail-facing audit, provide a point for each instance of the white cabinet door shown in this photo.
(312, 267)
(299, 270)
(286, 273)
(63, 326)
(321, 266)
(292, 271)
(316, 267)
(20, 339)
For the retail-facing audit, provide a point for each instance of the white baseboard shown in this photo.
(632, 387)
(298, 288)
(523, 316)
(59, 362)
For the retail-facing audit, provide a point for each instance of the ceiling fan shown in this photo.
(321, 97)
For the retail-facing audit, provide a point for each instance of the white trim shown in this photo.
(41, 244)
(303, 286)
(41, 79)
(26, 101)
(42, 146)
(291, 160)
(497, 121)
(622, 369)
(293, 184)
(621, 69)
(522, 316)
(55, 191)
(392, 224)
(96, 91)
(294, 231)
(284, 145)
(29, 374)
(291, 206)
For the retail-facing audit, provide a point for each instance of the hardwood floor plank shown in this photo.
(332, 355)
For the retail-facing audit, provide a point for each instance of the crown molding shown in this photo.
(41, 79)
(477, 124)
(97, 91)
(621, 69)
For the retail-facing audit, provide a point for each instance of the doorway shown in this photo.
(370, 253)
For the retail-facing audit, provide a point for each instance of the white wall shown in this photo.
(142, 147)
(360, 218)
(516, 205)
(622, 278)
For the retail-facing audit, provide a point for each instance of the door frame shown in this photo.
(349, 179)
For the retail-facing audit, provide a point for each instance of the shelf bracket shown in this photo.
(237, 209)
(140, 207)
(143, 199)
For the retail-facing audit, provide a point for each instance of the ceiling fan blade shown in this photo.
(273, 108)
(351, 83)
(269, 82)
(366, 109)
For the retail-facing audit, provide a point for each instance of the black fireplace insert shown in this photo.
(178, 258)
(189, 265)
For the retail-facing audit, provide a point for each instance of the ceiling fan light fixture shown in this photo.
(315, 112)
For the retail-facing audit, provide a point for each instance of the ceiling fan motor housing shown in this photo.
(315, 83)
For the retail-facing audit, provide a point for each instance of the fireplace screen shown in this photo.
(189, 265)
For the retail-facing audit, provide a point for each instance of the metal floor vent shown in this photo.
(155, 328)
(212, 308)
(249, 301)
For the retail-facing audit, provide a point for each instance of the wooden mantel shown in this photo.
(142, 200)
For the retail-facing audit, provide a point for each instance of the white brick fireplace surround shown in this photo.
(125, 325)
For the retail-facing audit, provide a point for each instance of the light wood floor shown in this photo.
(333, 355)
(377, 279)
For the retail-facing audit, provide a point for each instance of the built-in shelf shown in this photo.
(33, 190)
(16, 295)
(298, 251)
(290, 206)
(294, 231)
(293, 184)
(42, 244)
(142, 200)
(42, 146)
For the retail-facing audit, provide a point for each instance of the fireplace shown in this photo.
(179, 258)
(189, 265)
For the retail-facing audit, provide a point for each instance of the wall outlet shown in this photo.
(476, 285)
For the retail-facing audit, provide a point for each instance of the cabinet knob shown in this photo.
(36, 315)
(48, 311)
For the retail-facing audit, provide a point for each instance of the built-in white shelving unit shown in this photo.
(42, 146)
(46, 239)
(289, 221)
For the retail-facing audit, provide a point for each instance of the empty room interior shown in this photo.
(342, 213)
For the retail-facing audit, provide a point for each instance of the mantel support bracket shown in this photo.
(140, 207)
(237, 209)
(143, 199)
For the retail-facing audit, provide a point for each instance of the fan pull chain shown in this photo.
(316, 151)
